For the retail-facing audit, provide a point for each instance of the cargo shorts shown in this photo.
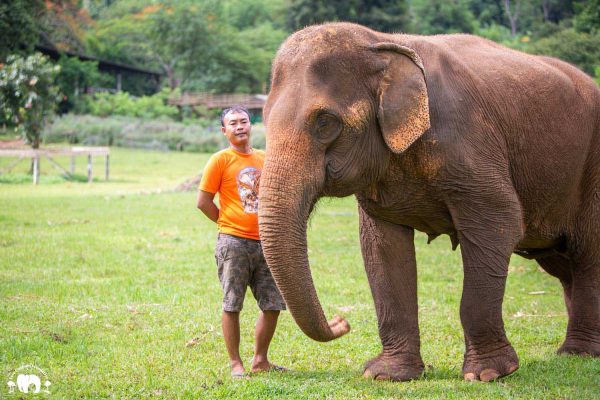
(241, 264)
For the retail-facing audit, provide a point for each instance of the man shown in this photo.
(234, 173)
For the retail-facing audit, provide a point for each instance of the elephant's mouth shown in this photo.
(334, 183)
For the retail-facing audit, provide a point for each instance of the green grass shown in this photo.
(103, 284)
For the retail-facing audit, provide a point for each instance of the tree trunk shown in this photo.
(512, 16)
(546, 10)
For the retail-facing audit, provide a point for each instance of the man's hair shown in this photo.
(233, 109)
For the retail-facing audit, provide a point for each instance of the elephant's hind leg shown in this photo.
(389, 256)
(582, 298)
(582, 287)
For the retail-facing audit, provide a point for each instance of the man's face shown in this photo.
(237, 128)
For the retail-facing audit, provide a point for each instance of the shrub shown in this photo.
(106, 104)
(28, 95)
(581, 49)
(157, 134)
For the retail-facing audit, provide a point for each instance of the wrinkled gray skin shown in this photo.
(449, 134)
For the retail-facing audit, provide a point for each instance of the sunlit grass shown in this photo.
(103, 284)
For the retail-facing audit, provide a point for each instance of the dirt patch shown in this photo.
(12, 144)
(190, 185)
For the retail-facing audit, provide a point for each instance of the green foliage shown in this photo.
(242, 14)
(18, 24)
(135, 133)
(382, 15)
(588, 19)
(440, 16)
(74, 77)
(105, 104)
(199, 135)
(28, 95)
(202, 46)
(495, 32)
(581, 49)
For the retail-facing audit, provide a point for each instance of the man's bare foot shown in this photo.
(237, 369)
(266, 366)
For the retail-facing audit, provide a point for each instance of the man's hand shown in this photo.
(207, 205)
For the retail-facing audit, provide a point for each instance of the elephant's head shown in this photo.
(343, 100)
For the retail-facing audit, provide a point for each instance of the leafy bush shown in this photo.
(143, 133)
(74, 77)
(106, 104)
(28, 95)
(581, 49)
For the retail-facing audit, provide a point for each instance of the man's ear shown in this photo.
(403, 111)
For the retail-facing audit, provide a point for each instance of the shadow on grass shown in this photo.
(556, 377)
(561, 371)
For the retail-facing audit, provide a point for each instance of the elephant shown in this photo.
(25, 381)
(447, 134)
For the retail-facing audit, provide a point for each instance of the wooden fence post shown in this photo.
(89, 168)
(36, 169)
(106, 164)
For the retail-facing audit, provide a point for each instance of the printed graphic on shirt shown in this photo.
(248, 181)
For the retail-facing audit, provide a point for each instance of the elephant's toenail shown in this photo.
(382, 378)
(488, 375)
(469, 376)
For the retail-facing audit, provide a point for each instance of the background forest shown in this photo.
(226, 46)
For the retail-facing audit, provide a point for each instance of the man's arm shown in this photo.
(207, 205)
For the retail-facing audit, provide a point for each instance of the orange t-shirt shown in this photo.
(235, 176)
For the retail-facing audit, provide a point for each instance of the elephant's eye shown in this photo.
(328, 127)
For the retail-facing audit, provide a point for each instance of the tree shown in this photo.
(63, 25)
(588, 19)
(581, 49)
(19, 27)
(440, 16)
(198, 45)
(164, 36)
(28, 95)
(302, 13)
(513, 16)
(381, 15)
(74, 77)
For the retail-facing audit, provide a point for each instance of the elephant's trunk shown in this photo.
(288, 190)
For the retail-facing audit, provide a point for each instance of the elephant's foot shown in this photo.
(582, 346)
(488, 365)
(401, 367)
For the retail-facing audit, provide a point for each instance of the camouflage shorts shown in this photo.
(241, 264)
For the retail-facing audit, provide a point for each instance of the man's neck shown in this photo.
(246, 149)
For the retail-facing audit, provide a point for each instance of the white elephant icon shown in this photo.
(25, 381)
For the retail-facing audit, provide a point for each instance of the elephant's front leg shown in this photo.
(486, 242)
(389, 256)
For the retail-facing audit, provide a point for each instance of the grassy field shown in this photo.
(102, 286)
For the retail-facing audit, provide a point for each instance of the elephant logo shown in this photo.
(248, 181)
(28, 380)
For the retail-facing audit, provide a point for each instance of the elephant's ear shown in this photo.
(403, 111)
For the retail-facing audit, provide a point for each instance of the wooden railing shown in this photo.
(73, 152)
(210, 100)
